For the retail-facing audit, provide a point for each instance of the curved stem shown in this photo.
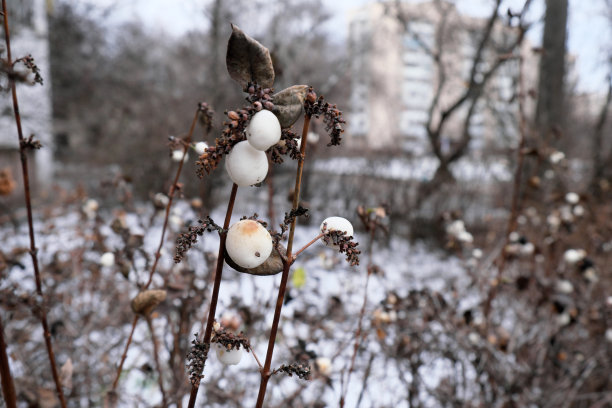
(28, 200)
(305, 247)
(265, 373)
(173, 189)
(215, 293)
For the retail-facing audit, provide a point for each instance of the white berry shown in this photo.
(338, 224)
(177, 155)
(245, 165)
(228, 357)
(107, 259)
(264, 130)
(200, 147)
(248, 243)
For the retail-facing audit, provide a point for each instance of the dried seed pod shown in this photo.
(146, 301)
(272, 265)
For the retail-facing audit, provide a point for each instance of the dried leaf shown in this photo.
(248, 61)
(272, 265)
(289, 104)
(66, 374)
(146, 301)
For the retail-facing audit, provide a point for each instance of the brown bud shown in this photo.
(311, 97)
(146, 301)
(233, 115)
(257, 106)
(269, 105)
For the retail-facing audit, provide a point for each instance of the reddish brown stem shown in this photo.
(305, 247)
(358, 332)
(173, 188)
(515, 205)
(8, 387)
(215, 293)
(157, 364)
(265, 372)
(28, 200)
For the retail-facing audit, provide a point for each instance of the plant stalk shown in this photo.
(215, 293)
(28, 200)
(161, 243)
(265, 373)
(8, 387)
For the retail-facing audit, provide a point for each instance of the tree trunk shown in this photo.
(549, 110)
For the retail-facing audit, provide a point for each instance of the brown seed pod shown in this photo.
(146, 301)
(272, 265)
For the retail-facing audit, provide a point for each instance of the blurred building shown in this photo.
(29, 35)
(395, 75)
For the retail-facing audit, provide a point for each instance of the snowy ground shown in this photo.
(328, 277)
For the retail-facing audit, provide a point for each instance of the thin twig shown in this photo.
(28, 200)
(157, 364)
(173, 188)
(8, 387)
(358, 333)
(215, 293)
(265, 373)
(315, 239)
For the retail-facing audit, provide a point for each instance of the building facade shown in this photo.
(397, 65)
(29, 36)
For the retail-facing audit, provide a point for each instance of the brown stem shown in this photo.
(358, 334)
(157, 364)
(28, 200)
(305, 247)
(265, 373)
(515, 205)
(215, 293)
(8, 387)
(161, 243)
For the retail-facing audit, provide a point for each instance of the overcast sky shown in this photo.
(589, 31)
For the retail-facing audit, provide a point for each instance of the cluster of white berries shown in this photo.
(247, 163)
(456, 230)
(519, 245)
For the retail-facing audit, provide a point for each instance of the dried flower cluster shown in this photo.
(230, 340)
(332, 116)
(288, 145)
(30, 143)
(289, 217)
(28, 61)
(187, 239)
(301, 370)
(345, 245)
(197, 358)
(205, 115)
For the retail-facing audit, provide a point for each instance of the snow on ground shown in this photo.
(406, 267)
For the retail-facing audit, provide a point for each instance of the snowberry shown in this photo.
(324, 365)
(556, 156)
(565, 286)
(248, 243)
(245, 165)
(200, 147)
(338, 224)
(177, 155)
(465, 237)
(228, 357)
(160, 200)
(455, 228)
(107, 259)
(313, 137)
(90, 208)
(264, 130)
(572, 198)
(573, 256)
(609, 335)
